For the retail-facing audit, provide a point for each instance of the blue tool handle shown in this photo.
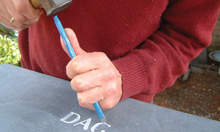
(99, 111)
(72, 55)
(64, 37)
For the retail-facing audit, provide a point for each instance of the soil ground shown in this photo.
(199, 95)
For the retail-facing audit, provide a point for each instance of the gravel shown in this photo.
(199, 95)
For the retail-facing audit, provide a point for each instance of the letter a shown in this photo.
(86, 124)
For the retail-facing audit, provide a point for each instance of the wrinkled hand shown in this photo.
(21, 10)
(93, 76)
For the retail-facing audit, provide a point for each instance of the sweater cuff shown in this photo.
(134, 78)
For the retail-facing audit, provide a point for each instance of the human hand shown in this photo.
(93, 76)
(18, 14)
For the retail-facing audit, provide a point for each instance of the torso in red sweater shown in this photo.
(150, 41)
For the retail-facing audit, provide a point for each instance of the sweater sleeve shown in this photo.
(186, 29)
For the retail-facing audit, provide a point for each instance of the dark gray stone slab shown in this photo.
(34, 102)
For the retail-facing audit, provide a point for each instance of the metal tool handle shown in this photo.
(35, 3)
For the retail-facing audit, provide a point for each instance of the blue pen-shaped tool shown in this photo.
(72, 54)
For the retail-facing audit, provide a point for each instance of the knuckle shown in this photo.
(75, 66)
(81, 101)
(113, 89)
(100, 55)
(107, 73)
(73, 85)
(81, 104)
(20, 8)
(67, 67)
(78, 83)
(72, 66)
(68, 70)
(20, 26)
(68, 74)
(35, 16)
(108, 105)
(20, 19)
(33, 21)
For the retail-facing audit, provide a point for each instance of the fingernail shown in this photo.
(76, 65)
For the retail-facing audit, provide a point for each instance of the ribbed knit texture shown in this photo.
(151, 42)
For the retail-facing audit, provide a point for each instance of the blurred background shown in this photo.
(9, 50)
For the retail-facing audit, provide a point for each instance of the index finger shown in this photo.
(81, 64)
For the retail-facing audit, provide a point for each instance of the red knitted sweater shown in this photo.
(151, 42)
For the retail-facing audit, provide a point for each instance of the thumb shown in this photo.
(74, 42)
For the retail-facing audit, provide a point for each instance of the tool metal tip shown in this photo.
(103, 120)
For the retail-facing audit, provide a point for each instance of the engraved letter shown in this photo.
(98, 124)
(85, 123)
(64, 119)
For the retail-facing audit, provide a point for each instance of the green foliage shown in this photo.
(9, 50)
(7, 31)
(2, 29)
